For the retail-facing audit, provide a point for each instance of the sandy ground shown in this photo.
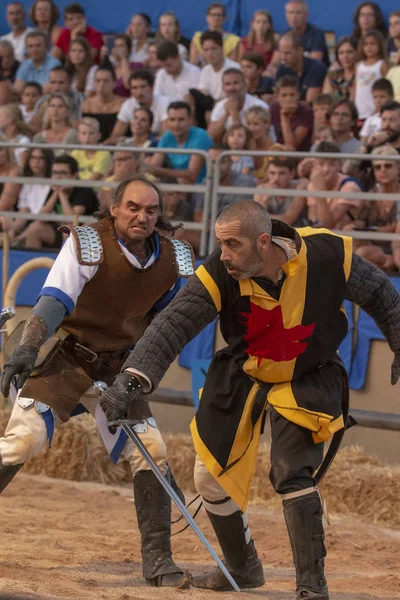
(62, 539)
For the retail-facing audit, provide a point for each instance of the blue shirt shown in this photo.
(313, 74)
(28, 72)
(313, 40)
(198, 139)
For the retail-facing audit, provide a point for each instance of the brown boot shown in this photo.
(240, 556)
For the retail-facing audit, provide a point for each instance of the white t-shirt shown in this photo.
(18, 43)
(211, 81)
(159, 108)
(139, 56)
(89, 85)
(27, 116)
(365, 77)
(33, 197)
(371, 125)
(20, 139)
(219, 109)
(176, 88)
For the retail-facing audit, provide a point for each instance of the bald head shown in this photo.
(253, 218)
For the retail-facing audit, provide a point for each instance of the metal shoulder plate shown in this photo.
(88, 245)
(184, 258)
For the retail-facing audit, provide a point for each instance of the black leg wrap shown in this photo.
(153, 509)
(7, 474)
(303, 516)
(240, 556)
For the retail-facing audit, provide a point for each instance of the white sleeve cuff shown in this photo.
(146, 382)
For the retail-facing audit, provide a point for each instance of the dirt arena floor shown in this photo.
(63, 539)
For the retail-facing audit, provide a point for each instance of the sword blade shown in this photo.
(131, 433)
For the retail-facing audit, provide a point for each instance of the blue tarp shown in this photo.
(332, 16)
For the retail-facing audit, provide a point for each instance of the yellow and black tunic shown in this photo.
(285, 343)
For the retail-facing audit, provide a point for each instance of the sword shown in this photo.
(128, 426)
(5, 314)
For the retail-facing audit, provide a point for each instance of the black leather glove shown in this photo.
(21, 364)
(395, 368)
(124, 398)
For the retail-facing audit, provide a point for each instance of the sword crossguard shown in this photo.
(120, 422)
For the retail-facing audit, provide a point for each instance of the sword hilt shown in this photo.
(6, 313)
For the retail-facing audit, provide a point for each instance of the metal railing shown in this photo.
(203, 188)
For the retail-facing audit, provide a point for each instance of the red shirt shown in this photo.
(93, 36)
(258, 49)
(303, 116)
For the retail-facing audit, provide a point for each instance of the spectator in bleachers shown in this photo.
(393, 43)
(393, 76)
(229, 178)
(8, 168)
(105, 104)
(379, 216)
(93, 164)
(177, 206)
(382, 92)
(139, 31)
(39, 63)
(257, 84)
(78, 63)
(339, 81)
(57, 124)
(215, 18)
(119, 61)
(312, 38)
(211, 74)
(238, 137)
(310, 72)
(343, 123)
(142, 95)
(62, 201)
(140, 127)
(321, 106)
(77, 27)
(233, 108)
(15, 130)
(259, 124)
(367, 16)
(16, 21)
(176, 76)
(293, 120)
(8, 63)
(45, 14)
(126, 163)
(32, 196)
(169, 29)
(59, 83)
(281, 173)
(260, 39)
(188, 168)
(153, 64)
(370, 67)
(335, 212)
(30, 96)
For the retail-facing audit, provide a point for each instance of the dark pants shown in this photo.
(294, 456)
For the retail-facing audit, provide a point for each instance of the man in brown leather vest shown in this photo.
(107, 282)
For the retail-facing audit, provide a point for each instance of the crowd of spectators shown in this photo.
(151, 87)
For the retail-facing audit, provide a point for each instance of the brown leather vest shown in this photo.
(112, 311)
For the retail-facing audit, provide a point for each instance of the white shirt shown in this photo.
(211, 80)
(20, 139)
(219, 109)
(89, 85)
(18, 43)
(159, 108)
(33, 197)
(27, 115)
(372, 124)
(365, 77)
(176, 88)
(139, 56)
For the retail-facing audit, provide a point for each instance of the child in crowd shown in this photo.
(92, 164)
(238, 137)
(382, 92)
(30, 96)
(372, 66)
(321, 106)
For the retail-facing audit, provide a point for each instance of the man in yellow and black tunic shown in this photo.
(279, 294)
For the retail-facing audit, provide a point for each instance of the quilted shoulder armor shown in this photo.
(184, 258)
(89, 248)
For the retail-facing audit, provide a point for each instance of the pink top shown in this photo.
(258, 49)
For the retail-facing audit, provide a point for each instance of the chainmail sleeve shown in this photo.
(190, 311)
(373, 291)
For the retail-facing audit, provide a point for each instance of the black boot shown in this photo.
(303, 516)
(240, 556)
(153, 509)
(7, 474)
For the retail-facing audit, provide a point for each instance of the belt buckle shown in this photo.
(87, 355)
